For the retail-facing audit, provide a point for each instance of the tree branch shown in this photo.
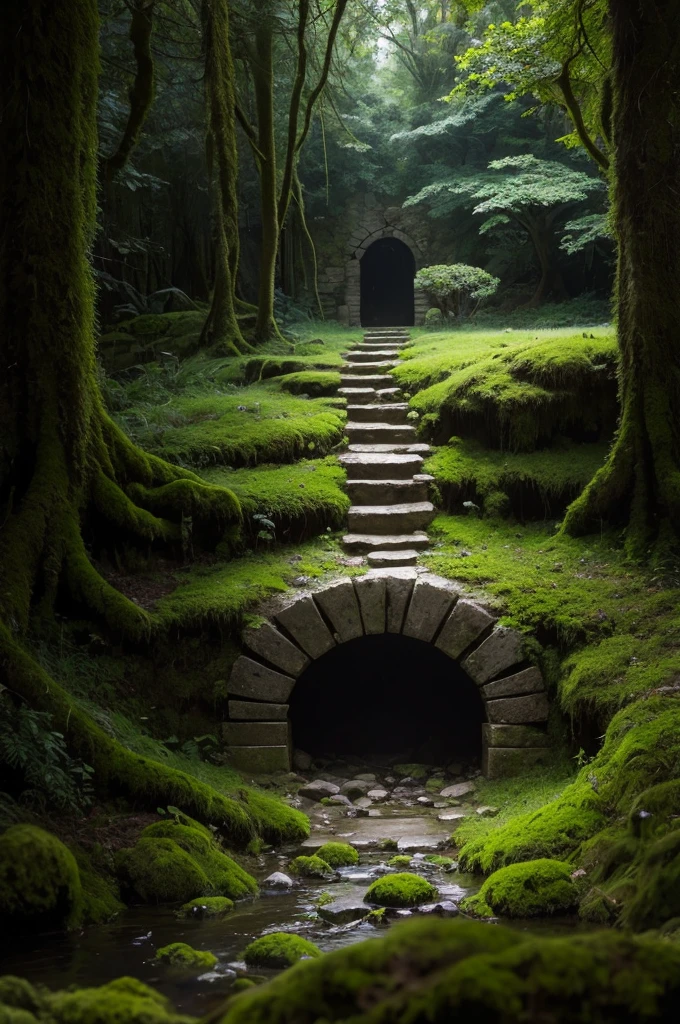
(294, 109)
(563, 81)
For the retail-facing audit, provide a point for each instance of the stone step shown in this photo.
(390, 559)
(358, 395)
(370, 368)
(371, 355)
(371, 346)
(390, 518)
(388, 394)
(348, 380)
(380, 467)
(388, 412)
(372, 433)
(362, 543)
(388, 492)
(386, 332)
(418, 448)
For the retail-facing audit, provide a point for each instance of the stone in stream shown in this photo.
(356, 787)
(452, 815)
(425, 801)
(446, 908)
(377, 794)
(363, 802)
(278, 880)
(365, 777)
(318, 789)
(340, 800)
(458, 789)
(343, 910)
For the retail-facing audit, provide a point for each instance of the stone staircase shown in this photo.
(390, 508)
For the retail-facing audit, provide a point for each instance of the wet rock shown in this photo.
(343, 910)
(426, 801)
(488, 812)
(452, 815)
(302, 761)
(340, 800)
(363, 802)
(444, 909)
(318, 789)
(356, 788)
(278, 880)
(377, 795)
(390, 780)
(365, 777)
(457, 790)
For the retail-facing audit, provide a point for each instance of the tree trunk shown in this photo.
(640, 483)
(551, 282)
(263, 81)
(221, 327)
(62, 457)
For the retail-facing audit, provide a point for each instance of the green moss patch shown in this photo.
(315, 383)
(125, 999)
(338, 855)
(40, 884)
(310, 867)
(179, 954)
(532, 889)
(176, 862)
(402, 860)
(207, 906)
(400, 890)
(279, 949)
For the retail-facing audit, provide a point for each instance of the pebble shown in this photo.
(426, 801)
(459, 789)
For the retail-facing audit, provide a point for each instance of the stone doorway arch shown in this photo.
(356, 252)
(297, 630)
(386, 273)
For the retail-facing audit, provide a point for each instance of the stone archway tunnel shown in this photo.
(402, 605)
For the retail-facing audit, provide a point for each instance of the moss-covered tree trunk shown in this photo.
(61, 456)
(263, 81)
(222, 327)
(639, 485)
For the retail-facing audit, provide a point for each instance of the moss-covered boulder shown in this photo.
(338, 855)
(40, 884)
(207, 906)
(400, 890)
(400, 860)
(177, 861)
(280, 949)
(441, 971)
(657, 895)
(123, 1001)
(310, 867)
(536, 888)
(184, 957)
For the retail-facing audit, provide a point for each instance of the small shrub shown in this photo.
(456, 287)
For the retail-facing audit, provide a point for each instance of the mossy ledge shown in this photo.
(437, 970)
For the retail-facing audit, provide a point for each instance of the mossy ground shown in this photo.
(535, 888)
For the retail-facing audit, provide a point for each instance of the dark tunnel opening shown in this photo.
(391, 696)
(387, 271)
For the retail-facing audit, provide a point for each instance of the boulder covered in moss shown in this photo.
(123, 1000)
(400, 860)
(441, 971)
(338, 855)
(207, 906)
(40, 885)
(178, 861)
(310, 867)
(401, 890)
(181, 955)
(532, 889)
(657, 896)
(279, 949)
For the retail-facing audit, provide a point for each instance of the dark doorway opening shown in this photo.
(388, 695)
(387, 271)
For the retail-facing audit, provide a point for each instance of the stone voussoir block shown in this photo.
(505, 762)
(302, 619)
(274, 647)
(260, 760)
(529, 680)
(339, 604)
(251, 679)
(432, 599)
(498, 652)
(518, 710)
(465, 624)
(255, 734)
(257, 711)
(514, 736)
(371, 594)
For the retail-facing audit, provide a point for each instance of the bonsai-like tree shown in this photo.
(456, 288)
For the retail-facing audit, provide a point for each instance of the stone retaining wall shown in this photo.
(409, 601)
